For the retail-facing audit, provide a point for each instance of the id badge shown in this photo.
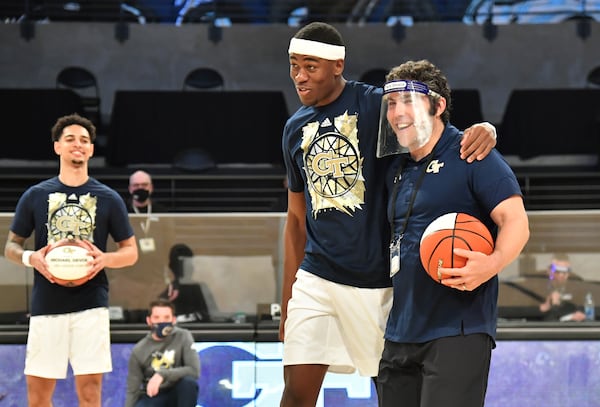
(395, 257)
(147, 244)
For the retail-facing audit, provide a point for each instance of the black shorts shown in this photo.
(450, 372)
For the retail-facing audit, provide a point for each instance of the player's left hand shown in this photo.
(98, 261)
(477, 142)
(478, 269)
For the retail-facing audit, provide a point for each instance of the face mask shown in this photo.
(162, 329)
(140, 195)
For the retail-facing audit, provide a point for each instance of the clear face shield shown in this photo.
(405, 121)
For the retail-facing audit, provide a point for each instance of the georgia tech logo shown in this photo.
(68, 250)
(434, 167)
(71, 217)
(65, 221)
(244, 374)
(325, 164)
(333, 165)
(163, 360)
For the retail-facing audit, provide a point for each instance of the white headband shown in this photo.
(317, 49)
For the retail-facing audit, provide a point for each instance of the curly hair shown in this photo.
(69, 120)
(426, 72)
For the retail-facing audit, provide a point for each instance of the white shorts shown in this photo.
(80, 338)
(336, 325)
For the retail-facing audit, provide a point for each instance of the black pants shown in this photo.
(183, 394)
(449, 372)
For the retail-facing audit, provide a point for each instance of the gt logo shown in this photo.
(245, 374)
(69, 223)
(325, 163)
(434, 167)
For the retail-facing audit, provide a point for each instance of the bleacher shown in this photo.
(229, 189)
(557, 188)
(258, 188)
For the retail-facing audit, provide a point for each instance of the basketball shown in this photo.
(448, 232)
(68, 262)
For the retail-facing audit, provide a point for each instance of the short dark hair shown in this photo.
(69, 120)
(161, 302)
(426, 72)
(321, 32)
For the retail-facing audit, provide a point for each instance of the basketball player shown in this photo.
(439, 337)
(336, 233)
(70, 325)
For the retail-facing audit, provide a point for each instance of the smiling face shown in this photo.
(318, 81)
(74, 145)
(408, 115)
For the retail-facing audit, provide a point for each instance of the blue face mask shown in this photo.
(162, 329)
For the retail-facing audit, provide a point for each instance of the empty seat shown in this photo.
(466, 108)
(375, 76)
(539, 122)
(204, 78)
(593, 77)
(193, 160)
(84, 83)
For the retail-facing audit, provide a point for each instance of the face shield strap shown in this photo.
(558, 268)
(408, 86)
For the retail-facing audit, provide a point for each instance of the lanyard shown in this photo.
(397, 178)
(144, 225)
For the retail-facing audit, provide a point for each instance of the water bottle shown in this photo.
(588, 305)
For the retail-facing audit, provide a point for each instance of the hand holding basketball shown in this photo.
(450, 231)
(69, 262)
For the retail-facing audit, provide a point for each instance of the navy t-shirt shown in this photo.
(329, 153)
(424, 309)
(55, 211)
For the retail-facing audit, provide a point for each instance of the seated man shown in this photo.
(163, 367)
(558, 305)
(183, 291)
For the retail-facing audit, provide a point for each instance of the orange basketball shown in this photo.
(448, 232)
(68, 262)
